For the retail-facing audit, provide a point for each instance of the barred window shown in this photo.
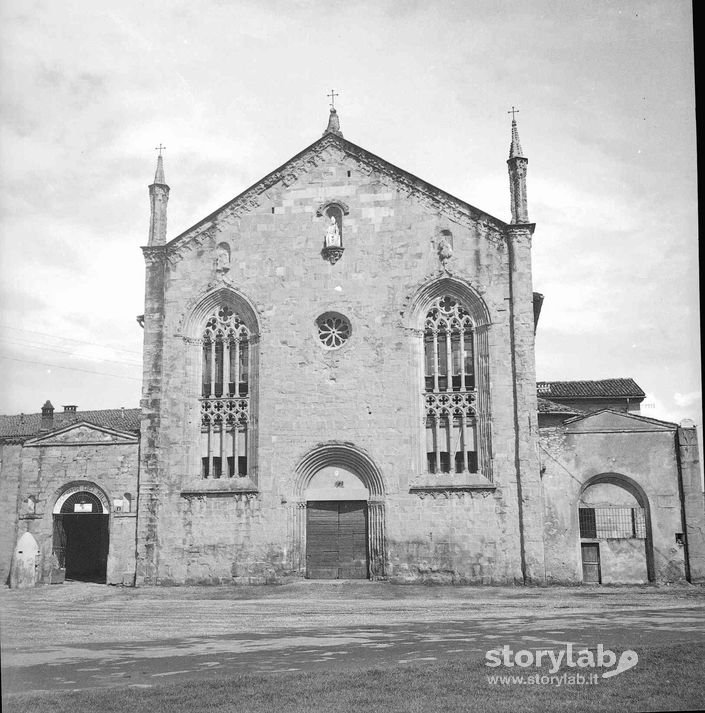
(612, 523)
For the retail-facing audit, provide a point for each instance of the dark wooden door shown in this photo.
(336, 540)
(591, 562)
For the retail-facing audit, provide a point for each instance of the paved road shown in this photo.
(87, 636)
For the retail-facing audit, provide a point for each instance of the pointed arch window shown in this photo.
(450, 388)
(227, 357)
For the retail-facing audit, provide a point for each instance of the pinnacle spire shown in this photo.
(517, 164)
(515, 147)
(158, 199)
(333, 123)
(159, 174)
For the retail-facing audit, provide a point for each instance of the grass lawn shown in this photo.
(666, 678)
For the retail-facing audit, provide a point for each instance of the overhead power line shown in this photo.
(43, 347)
(67, 339)
(71, 368)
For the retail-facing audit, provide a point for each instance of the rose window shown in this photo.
(333, 330)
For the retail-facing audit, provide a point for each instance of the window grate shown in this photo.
(612, 523)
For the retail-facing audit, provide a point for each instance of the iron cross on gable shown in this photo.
(513, 111)
(160, 148)
(333, 94)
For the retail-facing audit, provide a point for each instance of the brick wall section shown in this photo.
(367, 393)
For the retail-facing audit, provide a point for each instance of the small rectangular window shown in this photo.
(242, 466)
(204, 467)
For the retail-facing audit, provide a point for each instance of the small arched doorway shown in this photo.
(81, 534)
(615, 531)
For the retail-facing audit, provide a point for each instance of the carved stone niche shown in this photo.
(333, 238)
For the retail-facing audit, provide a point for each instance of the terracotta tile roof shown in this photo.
(603, 388)
(18, 428)
(546, 406)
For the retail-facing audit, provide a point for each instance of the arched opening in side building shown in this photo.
(615, 531)
(81, 536)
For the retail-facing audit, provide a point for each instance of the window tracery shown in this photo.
(225, 395)
(333, 330)
(450, 395)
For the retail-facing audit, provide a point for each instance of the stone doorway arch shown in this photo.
(338, 482)
(615, 534)
(81, 533)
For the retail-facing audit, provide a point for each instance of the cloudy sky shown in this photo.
(235, 88)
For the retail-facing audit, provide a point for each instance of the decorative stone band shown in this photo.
(450, 403)
(225, 410)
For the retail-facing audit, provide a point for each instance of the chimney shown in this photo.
(70, 409)
(47, 416)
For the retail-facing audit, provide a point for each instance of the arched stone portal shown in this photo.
(81, 532)
(615, 531)
(338, 520)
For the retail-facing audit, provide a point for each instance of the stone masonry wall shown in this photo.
(570, 459)
(10, 475)
(367, 393)
(44, 472)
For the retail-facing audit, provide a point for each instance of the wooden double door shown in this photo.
(336, 539)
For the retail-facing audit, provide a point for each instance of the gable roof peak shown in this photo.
(333, 124)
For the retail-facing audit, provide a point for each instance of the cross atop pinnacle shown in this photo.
(159, 175)
(515, 147)
(333, 121)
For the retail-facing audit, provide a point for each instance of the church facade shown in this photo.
(339, 382)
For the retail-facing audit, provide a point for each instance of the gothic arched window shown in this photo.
(225, 395)
(450, 388)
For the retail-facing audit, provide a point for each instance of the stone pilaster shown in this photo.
(152, 378)
(530, 500)
(693, 502)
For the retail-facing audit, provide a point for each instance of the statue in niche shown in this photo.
(445, 247)
(332, 239)
(222, 258)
